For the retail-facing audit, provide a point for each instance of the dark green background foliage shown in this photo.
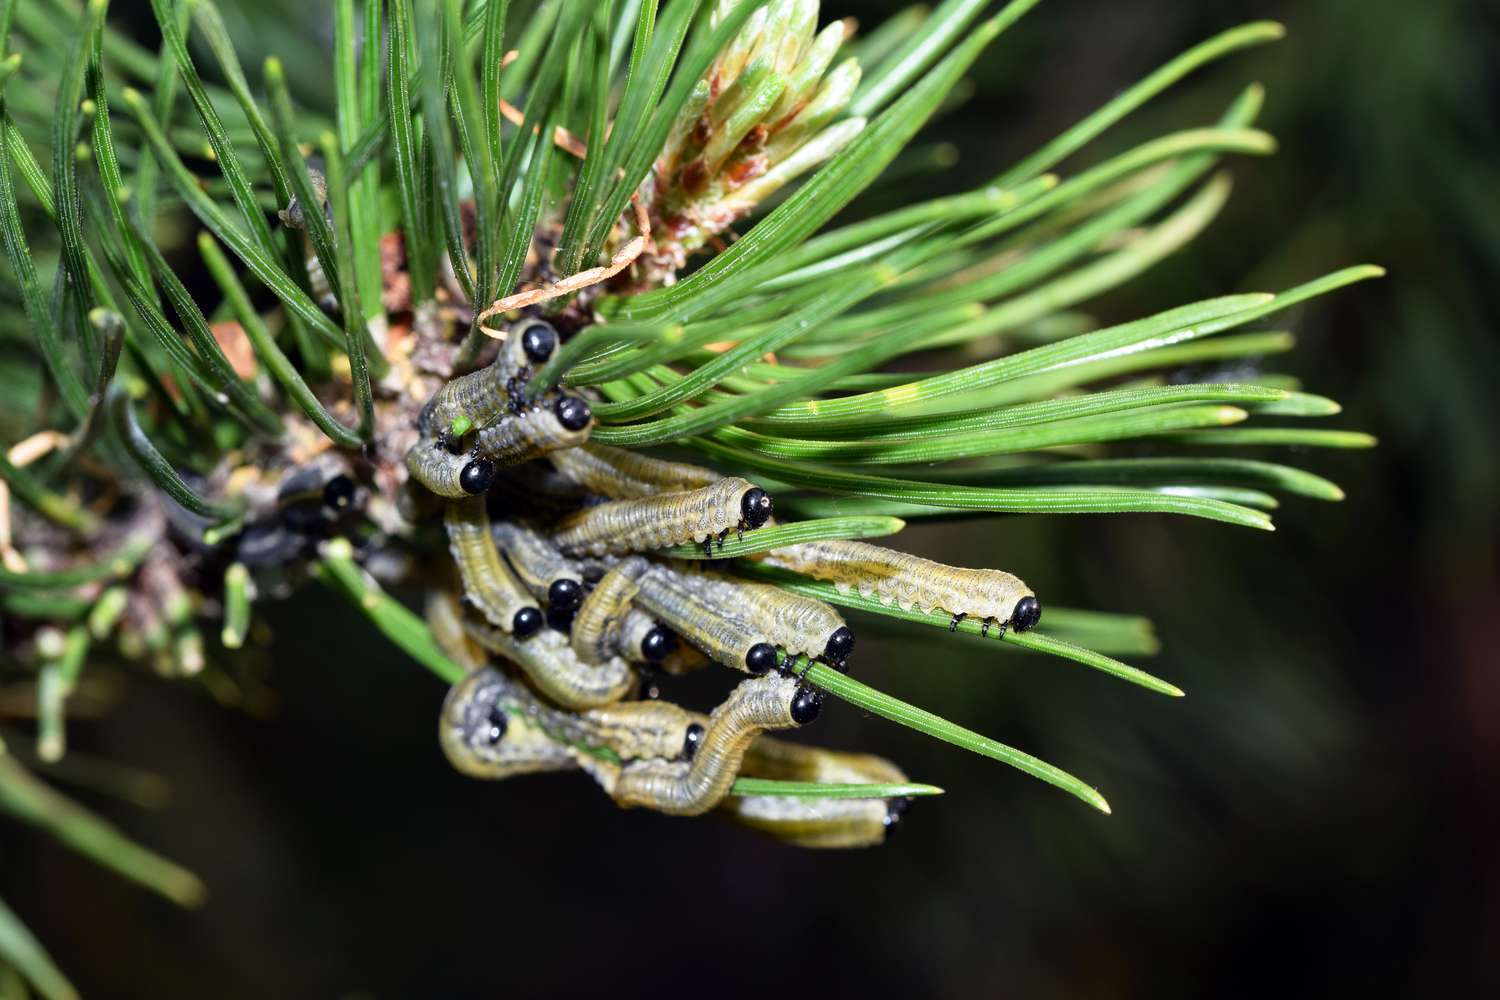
(1318, 815)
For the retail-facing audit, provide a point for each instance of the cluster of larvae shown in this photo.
(564, 611)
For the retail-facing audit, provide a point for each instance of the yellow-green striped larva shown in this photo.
(713, 627)
(607, 624)
(622, 526)
(690, 788)
(541, 568)
(556, 421)
(911, 581)
(482, 397)
(488, 582)
(795, 623)
(554, 670)
(621, 474)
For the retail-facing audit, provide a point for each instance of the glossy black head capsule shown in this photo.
(806, 704)
(657, 645)
(539, 341)
(572, 412)
(498, 723)
(693, 741)
(760, 658)
(894, 810)
(755, 507)
(477, 477)
(840, 645)
(338, 493)
(527, 622)
(1027, 613)
(564, 594)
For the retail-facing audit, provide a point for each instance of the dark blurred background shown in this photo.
(1318, 816)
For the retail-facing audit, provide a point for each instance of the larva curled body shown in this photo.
(911, 581)
(620, 474)
(488, 729)
(596, 627)
(554, 670)
(482, 397)
(623, 526)
(488, 583)
(690, 788)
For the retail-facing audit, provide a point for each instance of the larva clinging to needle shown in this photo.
(620, 474)
(795, 623)
(541, 568)
(554, 670)
(911, 581)
(654, 522)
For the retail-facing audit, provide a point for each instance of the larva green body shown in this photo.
(626, 475)
(487, 581)
(795, 623)
(641, 730)
(482, 397)
(911, 581)
(556, 672)
(623, 526)
(690, 788)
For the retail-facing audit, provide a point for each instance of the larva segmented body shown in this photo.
(556, 421)
(911, 581)
(654, 522)
(445, 473)
(555, 670)
(542, 569)
(690, 788)
(626, 475)
(714, 628)
(795, 623)
(596, 627)
(484, 396)
(487, 581)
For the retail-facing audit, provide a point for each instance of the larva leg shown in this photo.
(958, 616)
(690, 788)
(623, 526)
(488, 584)
(554, 670)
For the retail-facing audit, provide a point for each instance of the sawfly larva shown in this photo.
(911, 581)
(556, 421)
(542, 569)
(622, 526)
(621, 474)
(556, 672)
(448, 474)
(690, 788)
(488, 584)
(713, 627)
(607, 625)
(795, 623)
(482, 397)
(489, 729)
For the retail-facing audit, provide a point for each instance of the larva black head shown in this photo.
(564, 594)
(539, 341)
(760, 658)
(572, 412)
(806, 704)
(657, 645)
(477, 477)
(895, 809)
(527, 622)
(693, 741)
(1027, 613)
(840, 645)
(755, 507)
(498, 723)
(338, 493)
